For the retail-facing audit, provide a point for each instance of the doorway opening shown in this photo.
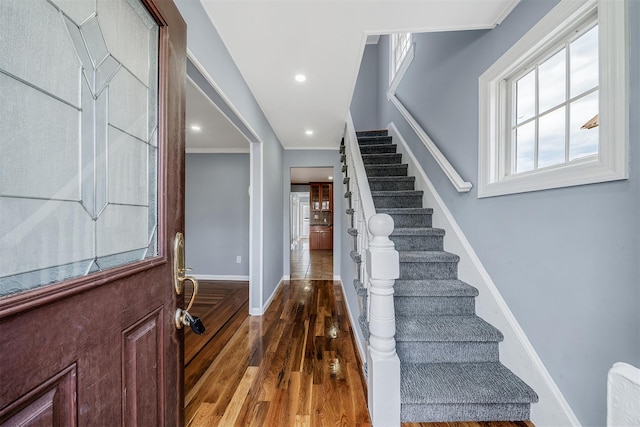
(311, 223)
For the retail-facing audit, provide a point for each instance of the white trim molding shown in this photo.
(224, 97)
(612, 162)
(262, 310)
(516, 351)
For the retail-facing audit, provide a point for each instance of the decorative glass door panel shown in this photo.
(78, 138)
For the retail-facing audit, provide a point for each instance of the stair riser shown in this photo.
(428, 306)
(418, 243)
(397, 201)
(464, 412)
(374, 141)
(400, 170)
(412, 220)
(447, 352)
(378, 149)
(382, 159)
(399, 185)
(370, 133)
(428, 270)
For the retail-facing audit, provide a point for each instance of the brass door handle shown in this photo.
(179, 279)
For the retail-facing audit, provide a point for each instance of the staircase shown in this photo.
(450, 368)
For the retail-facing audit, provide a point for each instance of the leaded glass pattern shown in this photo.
(78, 144)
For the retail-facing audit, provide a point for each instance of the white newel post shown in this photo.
(383, 365)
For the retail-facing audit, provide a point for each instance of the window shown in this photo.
(553, 109)
(400, 48)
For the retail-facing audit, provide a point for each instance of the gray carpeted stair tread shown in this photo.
(406, 211)
(378, 148)
(399, 193)
(434, 288)
(381, 158)
(386, 170)
(374, 140)
(462, 383)
(428, 256)
(387, 166)
(445, 328)
(391, 178)
(392, 183)
(373, 132)
(418, 231)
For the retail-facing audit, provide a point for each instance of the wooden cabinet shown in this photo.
(321, 215)
(320, 237)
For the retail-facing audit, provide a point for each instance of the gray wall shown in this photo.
(305, 159)
(205, 44)
(364, 104)
(217, 213)
(566, 260)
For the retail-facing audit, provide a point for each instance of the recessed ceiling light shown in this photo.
(300, 78)
(308, 132)
(196, 128)
(330, 177)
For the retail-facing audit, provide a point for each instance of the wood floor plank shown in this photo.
(197, 367)
(239, 396)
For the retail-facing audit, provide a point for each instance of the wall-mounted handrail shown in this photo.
(460, 184)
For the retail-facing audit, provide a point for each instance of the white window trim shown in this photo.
(612, 162)
(396, 76)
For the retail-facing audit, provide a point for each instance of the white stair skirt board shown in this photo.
(623, 396)
(516, 351)
(360, 343)
(221, 277)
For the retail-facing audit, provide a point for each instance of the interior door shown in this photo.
(91, 196)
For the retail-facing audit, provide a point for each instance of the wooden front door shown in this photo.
(91, 196)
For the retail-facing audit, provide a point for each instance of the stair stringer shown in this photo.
(516, 351)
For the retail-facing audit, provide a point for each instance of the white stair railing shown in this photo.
(377, 267)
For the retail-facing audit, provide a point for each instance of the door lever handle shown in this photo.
(180, 277)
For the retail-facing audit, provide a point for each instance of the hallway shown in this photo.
(307, 264)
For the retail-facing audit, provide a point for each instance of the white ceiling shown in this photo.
(217, 134)
(307, 175)
(272, 41)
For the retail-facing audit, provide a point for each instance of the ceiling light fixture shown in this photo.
(330, 178)
(308, 132)
(300, 78)
(196, 128)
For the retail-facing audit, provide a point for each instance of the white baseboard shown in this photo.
(230, 278)
(286, 277)
(337, 278)
(265, 306)
(516, 351)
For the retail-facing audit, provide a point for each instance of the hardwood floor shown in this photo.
(295, 366)
(311, 264)
(223, 307)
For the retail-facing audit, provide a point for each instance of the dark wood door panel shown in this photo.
(52, 403)
(111, 349)
(142, 367)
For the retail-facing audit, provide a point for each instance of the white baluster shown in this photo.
(382, 264)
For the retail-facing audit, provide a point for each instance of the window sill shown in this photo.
(578, 173)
